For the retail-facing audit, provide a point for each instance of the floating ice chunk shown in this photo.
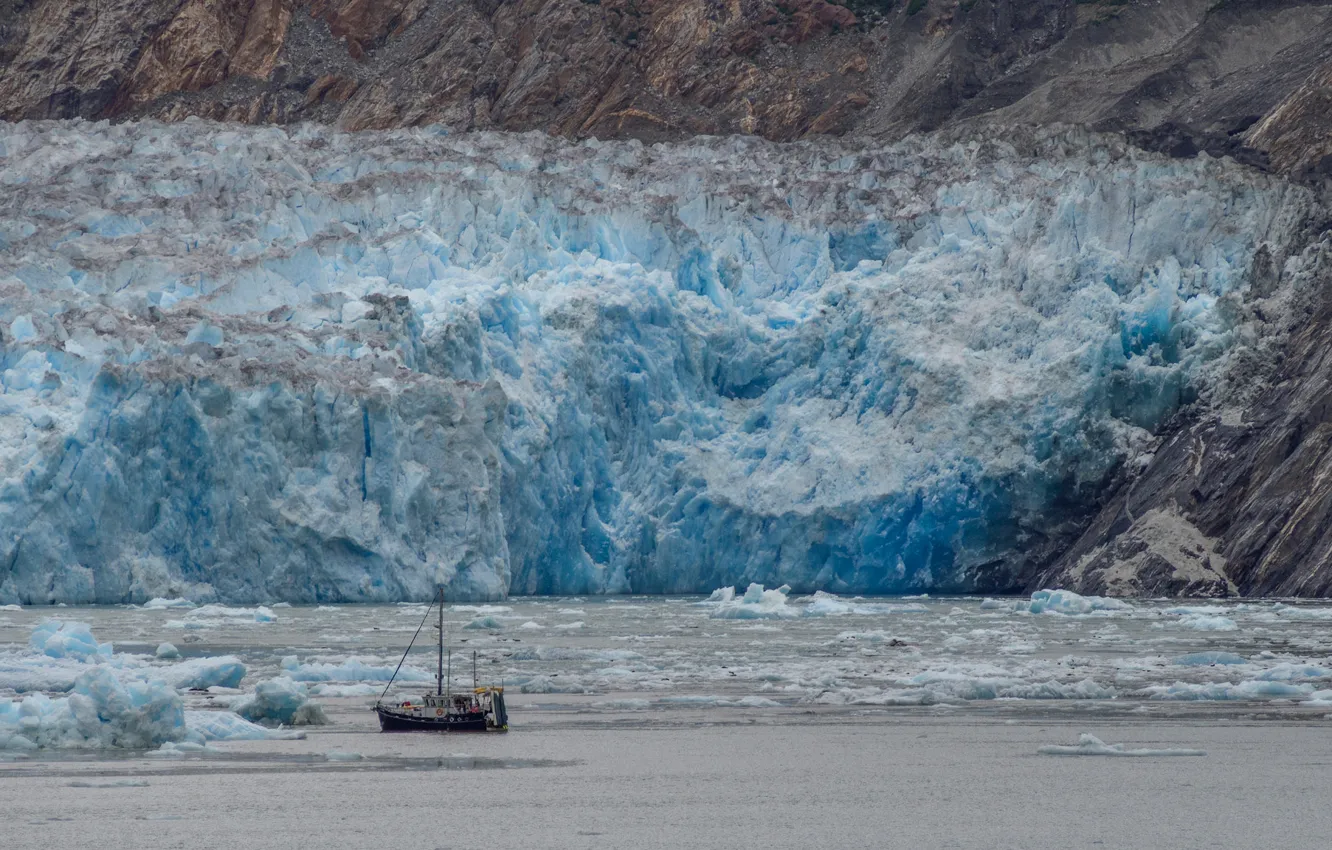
(826, 604)
(956, 684)
(281, 701)
(551, 685)
(1090, 745)
(756, 604)
(353, 669)
(11, 607)
(1247, 690)
(623, 704)
(1205, 623)
(1287, 672)
(101, 712)
(225, 671)
(61, 639)
(531, 626)
(1320, 699)
(229, 726)
(559, 653)
(223, 613)
(485, 623)
(112, 783)
(1208, 659)
(569, 627)
(338, 755)
(167, 652)
(159, 602)
(361, 690)
(1068, 602)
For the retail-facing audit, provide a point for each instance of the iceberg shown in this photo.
(100, 712)
(61, 639)
(254, 364)
(280, 701)
(1069, 603)
(755, 604)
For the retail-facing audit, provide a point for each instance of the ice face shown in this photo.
(255, 364)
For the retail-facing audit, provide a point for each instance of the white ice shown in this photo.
(1090, 745)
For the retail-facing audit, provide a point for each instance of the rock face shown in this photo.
(1245, 484)
(1189, 74)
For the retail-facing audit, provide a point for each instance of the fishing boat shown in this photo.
(480, 709)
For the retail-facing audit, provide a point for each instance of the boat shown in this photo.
(479, 709)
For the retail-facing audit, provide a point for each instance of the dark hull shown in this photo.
(391, 721)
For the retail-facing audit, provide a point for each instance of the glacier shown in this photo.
(241, 365)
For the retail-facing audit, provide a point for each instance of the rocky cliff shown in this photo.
(1240, 76)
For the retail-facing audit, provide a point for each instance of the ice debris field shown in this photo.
(241, 365)
(760, 649)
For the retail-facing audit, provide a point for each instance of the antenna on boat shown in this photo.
(449, 690)
(474, 669)
(439, 672)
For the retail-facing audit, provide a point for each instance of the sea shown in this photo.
(763, 719)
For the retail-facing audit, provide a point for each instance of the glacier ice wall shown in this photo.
(249, 364)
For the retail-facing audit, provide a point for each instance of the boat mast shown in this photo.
(439, 665)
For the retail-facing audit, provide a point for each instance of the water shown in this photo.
(655, 725)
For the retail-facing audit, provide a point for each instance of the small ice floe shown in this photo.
(360, 690)
(11, 607)
(530, 626)
(113, 783)
(486, 622)
(167, 652)
(1205, 623)
(338, 755)
(1221, 691)
(181, 749)
(1090, 745)
(214, 615)
(569, 627)
(351, 669)
(756, 604)
(160, 603)
(623, 704)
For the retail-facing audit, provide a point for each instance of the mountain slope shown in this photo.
(1188, 73)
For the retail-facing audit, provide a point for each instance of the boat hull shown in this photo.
(392, 721)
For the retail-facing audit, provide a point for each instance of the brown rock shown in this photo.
(856, 65)
(669, 68)
(265, 32)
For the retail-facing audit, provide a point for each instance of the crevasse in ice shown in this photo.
(252, 364)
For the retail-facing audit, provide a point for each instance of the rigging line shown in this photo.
(429, 608)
